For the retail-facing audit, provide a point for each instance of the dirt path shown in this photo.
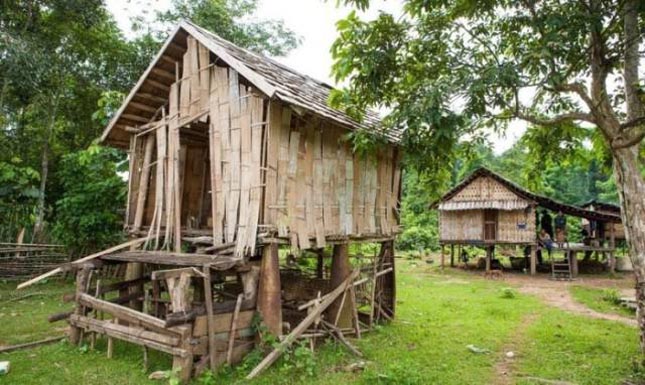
(505, 365)
(556, 294)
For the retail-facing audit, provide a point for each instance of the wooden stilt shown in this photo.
(208, 298)
(269, 299)
(320, 266)
(82, 278)
(443, 256)
(612, 246)
(452, 255)
(489, 255)
(340, 310)
(533, 259)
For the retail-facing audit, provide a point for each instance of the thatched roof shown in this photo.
(539, 200)
(273, 79)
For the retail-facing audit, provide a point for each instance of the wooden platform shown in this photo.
(219, 262)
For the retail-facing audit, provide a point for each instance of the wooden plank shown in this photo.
(195, 90)
(174, 273)
(144, 182)
(256, 188)
(84, 321)
(208, 297)
(204, 77)
(273, 137)
(123, 313)
(113, 249)
(282, 214)
(222, 322)
(231, 338)
(234, 156)
(317, 188)
(127, 334)
(245, 171)
(173, 111)
(184, 90)
(160, 182)
(303, 326)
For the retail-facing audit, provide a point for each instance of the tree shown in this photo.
(451, 69)
(230, 20)
(56, 59)
(89, 215)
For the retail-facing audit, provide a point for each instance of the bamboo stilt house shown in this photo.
(485, 209)
(233, 157)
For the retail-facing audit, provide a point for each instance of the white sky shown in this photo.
(314, 21)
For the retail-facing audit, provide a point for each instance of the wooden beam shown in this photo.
(174, 273)
(137, 241)
(132, 335)
(208, 294)
(158, 85)
(231, 337)
(143, 107)
(151, 97)
(135, 118)
(124, 313)
(164, 74)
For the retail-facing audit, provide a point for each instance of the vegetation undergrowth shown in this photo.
(439, 314)
(601, 300)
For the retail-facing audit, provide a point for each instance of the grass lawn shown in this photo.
(600, 300)
(438, 315)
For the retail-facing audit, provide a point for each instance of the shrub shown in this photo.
(508, 292)
(89, 213)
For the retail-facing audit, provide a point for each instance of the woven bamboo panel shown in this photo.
(484, 188)
(516, 226)
(467, 225)
(322, 188)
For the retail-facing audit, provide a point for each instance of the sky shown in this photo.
(314, 21)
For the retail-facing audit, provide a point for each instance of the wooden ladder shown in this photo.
(561, 270)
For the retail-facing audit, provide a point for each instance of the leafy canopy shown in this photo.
(452, 71)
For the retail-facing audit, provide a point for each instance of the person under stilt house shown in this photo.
(546, 223)
(544, 242)
(560, 222)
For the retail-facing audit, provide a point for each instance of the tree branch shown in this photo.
(632, 139)
(566, 117)
(576, 88)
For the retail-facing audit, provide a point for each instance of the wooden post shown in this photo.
(533, 259)
(452, 255)
(208, 298)
(612, 246)
(321, 264)
(573, 258)
(82, 278)
(443, 256)
(341, 309)
(178, 288)
(489, 252)
(269, 301)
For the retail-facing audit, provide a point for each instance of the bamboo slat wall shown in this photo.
(317, 187)
(254, 163)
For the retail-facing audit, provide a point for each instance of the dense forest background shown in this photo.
(65, 67)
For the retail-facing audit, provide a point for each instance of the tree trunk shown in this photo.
(631, 185)
(44, 171)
